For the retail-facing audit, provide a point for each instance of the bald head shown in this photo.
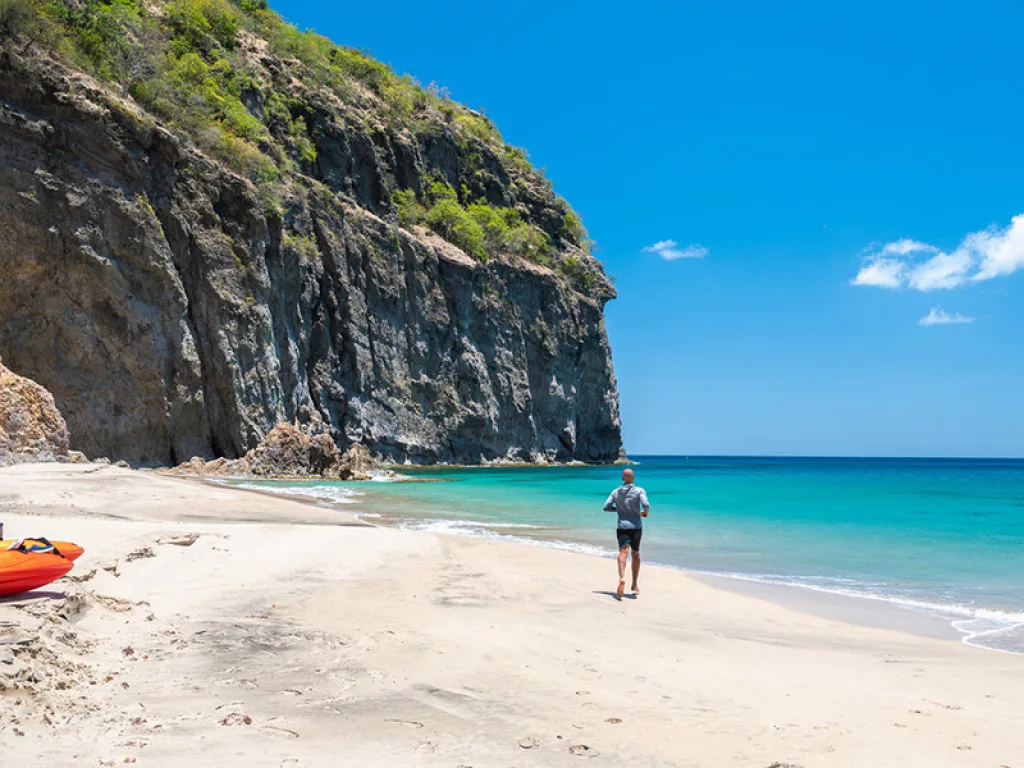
(628, 476)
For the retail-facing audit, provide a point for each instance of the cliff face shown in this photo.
(177, 306)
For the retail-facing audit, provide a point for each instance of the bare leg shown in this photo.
(623, 554)
(636, 571)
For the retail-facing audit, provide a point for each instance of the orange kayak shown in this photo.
(22, 571)
(71, 551)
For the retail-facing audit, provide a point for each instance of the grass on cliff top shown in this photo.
(181, 61)
(191, 64)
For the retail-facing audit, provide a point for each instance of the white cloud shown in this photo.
(670, 250)
(885, 273)
(980, 256)
(905, 246)
(939, 316)
(1002, 252)
(943, 270)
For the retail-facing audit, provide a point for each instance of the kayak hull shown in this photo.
(25, 571)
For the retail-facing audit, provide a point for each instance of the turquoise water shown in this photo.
(940, 535)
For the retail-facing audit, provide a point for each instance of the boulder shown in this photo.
(357, 463)
(288, 451)
(31, 427)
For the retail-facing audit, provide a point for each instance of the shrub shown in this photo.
(305, 245)
(194, 93)
(372, 73)
(576, 272)
(505, 231)
(305, 145)
(243, 157)
(401, 100)
(572, 227)
(518, 159)
(204, 99)
(201, 25)
(482, 230)
(23, 17)
(530, 243)
(410, 211)
(438, 190)
(102, 32)
(308, 47)
(451, 221)
(495, 229)
(277, 116)
(477, 127)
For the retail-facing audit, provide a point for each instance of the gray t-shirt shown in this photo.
(628, 501)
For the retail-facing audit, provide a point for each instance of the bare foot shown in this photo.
(635, 588)
(621, 589)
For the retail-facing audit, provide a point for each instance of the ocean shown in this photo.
(944, 536)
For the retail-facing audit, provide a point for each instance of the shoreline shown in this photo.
(929, 620)
(213, 627)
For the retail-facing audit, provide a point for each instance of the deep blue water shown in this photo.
(942, 534)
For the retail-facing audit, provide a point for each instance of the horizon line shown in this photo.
(819, 456)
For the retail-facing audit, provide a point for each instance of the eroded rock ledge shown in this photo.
(288, 452)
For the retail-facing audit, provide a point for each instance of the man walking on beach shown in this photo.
(630, 503)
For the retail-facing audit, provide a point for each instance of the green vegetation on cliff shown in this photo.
(260, 96)
(481, 230)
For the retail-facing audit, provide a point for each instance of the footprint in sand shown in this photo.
(582, 750)
(950, 707)
(276, 730)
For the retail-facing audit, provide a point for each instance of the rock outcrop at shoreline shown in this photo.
(305, 248)
(288, 452)
(31, 427)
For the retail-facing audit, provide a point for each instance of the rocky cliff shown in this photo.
(211, 223)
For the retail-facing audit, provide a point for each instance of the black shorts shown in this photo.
(629, 536)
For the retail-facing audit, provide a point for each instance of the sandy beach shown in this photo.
(220, 627)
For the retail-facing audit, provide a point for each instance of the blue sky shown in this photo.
(831, 161)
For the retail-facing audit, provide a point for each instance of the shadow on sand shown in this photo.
(35, 594)
(628, 595)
